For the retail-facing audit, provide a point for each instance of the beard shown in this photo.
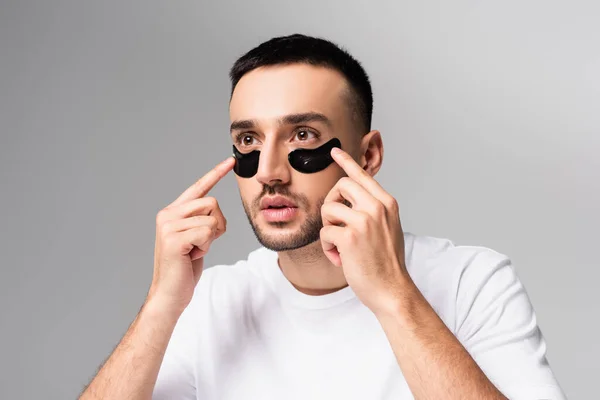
(308, 233)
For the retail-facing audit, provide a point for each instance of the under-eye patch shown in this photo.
(309, 161)
(306, 161)
(246, 165)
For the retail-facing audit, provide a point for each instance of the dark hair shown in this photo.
(299, 48)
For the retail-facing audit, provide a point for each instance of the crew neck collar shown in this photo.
(288, 292)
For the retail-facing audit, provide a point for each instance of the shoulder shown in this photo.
(429, 259)
(451, 277)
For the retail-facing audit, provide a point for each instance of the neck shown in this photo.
(310, 271)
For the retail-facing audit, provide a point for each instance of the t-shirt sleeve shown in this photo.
(496, 323)
(176, 378)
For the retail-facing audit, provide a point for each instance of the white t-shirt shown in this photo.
(248, 333)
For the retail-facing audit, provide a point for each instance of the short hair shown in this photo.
(298, 48)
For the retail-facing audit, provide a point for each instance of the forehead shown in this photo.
(267, 93)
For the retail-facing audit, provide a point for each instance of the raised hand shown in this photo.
(185, 230)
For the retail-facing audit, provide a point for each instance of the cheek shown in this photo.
(317, 186)
(249, 188)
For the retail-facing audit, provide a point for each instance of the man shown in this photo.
(339, 303)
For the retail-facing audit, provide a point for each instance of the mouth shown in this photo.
(278, 209)
(275, 203)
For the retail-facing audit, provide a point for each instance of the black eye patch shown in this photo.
(306, 161)
(309, 161)
(246, 165)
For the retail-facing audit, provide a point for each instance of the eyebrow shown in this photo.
(290, 119)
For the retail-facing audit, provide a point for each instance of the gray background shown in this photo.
(110, 109)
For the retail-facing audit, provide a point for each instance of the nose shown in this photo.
(273, 166)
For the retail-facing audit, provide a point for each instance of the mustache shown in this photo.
(282, 190)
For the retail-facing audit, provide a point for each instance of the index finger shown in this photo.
(356, 173)
(203, 185)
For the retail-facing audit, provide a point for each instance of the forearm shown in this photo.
(433, 362)
(131, 370)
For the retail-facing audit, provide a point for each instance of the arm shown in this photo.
(434, 363)
(494, 318)
(497, 342)
(131, 370)
(366, 241)
(184, 232)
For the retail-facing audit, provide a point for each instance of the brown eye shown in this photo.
(303, 135)
(247, 140)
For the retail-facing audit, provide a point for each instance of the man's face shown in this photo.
(276, 110)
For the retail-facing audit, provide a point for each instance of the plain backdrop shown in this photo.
(489, 111)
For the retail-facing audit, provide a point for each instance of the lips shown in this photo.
(278, 210)
(276, 202)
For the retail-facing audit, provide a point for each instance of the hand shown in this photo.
(366, 239)
(185, 230)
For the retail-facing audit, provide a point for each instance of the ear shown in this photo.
(371, 148)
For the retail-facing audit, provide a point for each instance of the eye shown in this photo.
(305, 134)
(245, 139)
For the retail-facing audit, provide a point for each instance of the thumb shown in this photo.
(329, 235)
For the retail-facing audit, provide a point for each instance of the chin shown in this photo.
(283, 243)
(299, 230)
(286, 236)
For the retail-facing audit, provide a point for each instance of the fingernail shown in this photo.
(336, 150)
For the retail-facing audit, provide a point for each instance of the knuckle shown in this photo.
(212, 202)
(206, 232)
(393, 205)
(161, 216)
(213, 222)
